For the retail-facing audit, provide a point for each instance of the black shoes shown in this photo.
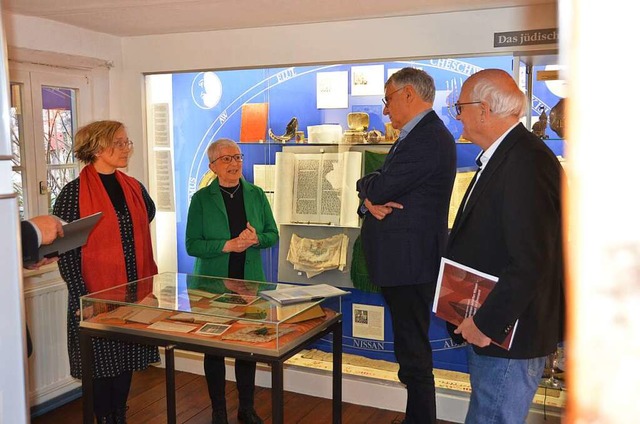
(245, 416)
(107, 419)
(120, 415)
(249, 416)
(219, 417)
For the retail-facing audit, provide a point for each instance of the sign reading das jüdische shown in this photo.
(525, 38)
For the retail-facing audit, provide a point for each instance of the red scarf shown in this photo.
(103, 264)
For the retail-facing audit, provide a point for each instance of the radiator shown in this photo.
(46, 312)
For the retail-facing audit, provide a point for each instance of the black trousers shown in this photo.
(215, 373)
(110, 393)
(410, 308)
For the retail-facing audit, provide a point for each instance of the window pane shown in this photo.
(17, 142)
(59, 120)
(57, 177)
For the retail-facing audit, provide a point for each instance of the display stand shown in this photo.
(110, 314)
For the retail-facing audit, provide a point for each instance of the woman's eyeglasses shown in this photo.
(123, 144)
(228, 158)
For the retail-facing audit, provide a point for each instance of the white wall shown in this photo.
(67, 45)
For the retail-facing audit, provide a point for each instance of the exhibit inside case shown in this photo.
(305, 135)
(210, 311)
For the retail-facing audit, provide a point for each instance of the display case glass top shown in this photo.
(223, 312)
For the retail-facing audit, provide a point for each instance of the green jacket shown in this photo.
(208, 230)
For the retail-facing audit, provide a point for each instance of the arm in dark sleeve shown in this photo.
(532, 226)
(148, 201)
(410, 167)
(29, 243)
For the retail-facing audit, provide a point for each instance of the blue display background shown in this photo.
(291, 92)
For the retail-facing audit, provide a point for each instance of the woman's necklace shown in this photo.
(230, 193)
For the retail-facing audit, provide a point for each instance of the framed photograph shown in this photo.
(368, 321)
(211, 329)
(367, 80)
(332, 90)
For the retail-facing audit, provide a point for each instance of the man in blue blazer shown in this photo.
(509, 226)
(405, 208)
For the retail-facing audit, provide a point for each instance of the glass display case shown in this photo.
(219, 316)
(218, 312)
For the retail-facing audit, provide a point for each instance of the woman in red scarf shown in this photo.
(118, 251)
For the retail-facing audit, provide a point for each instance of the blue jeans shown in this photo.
(501, 389)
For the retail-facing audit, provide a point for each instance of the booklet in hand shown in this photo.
(75, 235)
(460, 291)
(299, 294)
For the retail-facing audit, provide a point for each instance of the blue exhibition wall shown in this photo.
(208, 106)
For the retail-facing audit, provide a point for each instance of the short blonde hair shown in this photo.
(93, 138)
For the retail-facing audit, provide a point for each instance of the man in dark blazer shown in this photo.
(509, 225)
(405, 208)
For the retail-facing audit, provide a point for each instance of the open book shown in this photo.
(460, 291)
(299, 294)
(317, 188)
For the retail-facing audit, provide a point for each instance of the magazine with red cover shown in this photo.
(460, 291)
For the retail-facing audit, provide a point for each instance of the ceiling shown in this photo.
(145, 17)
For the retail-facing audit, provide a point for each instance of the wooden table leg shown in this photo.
(337, 373)
(87, 358)
(277, 392)
(171, 383)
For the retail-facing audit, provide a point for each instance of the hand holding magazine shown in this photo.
(460, 291)
(75, 235)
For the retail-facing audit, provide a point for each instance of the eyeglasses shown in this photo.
(387, 98)
(123, 144)
(457, 105)
(228, 158)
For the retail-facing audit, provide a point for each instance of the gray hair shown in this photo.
(503, 99)
(421, 81)
(219, 144)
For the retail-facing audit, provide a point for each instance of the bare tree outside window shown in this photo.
(58, 124)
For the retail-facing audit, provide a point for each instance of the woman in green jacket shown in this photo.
(229, 222)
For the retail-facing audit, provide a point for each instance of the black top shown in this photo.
(114, 190)
(237, 224)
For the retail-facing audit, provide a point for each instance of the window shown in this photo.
(45, 111)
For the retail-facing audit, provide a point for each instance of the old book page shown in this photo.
(317, 188)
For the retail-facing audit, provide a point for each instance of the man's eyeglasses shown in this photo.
(387, 98)
(228, 158)
(458, 108)
(123, 144)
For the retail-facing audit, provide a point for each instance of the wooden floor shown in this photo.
(147, 404)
